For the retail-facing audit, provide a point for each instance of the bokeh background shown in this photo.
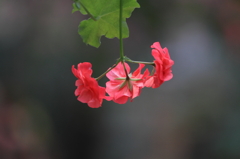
(196, 115)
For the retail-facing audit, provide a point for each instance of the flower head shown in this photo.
(123, 85)
(163, 64)
(88, 90)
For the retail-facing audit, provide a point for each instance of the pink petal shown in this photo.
(85, 96)
(102, 94)
(123, 92)
(101, 91)
(94, 103)
(112, 87)
(156, 45)
(157, 83)
(118, 71)
(85, 68)
(137, 72)
(145, 74)
(77, 92)
(165, 50)
(121, 100)
(78, 82)
(113, 74)
(75, 71)
(136, 91)
(156, 55)
(108, 98)
(149, 82)
(127, 67)
(168, 77)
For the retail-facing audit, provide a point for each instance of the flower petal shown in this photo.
(86, 68)
(121, 100)
(157, 46)
(88, 90)
(94, 103)
(163, 64)
(137, 72)
(85, 96)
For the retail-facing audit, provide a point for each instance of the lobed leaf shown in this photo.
(104, 20)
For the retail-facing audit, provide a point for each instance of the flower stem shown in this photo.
(143, 62)
(120, 32)
(122, 57)
(102, 75)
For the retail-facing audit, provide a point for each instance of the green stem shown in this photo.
(122, 57)
(86, 10)
(143, 62)
(102, 75)
(120, 32)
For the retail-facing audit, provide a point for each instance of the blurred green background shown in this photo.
(196, 115)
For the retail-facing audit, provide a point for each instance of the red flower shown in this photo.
(88, 90)
(163, 64)
(123, 85)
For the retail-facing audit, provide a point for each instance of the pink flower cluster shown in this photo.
(122, 84)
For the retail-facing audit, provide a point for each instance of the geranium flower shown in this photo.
(163, 64)
(88, 90)
(123, 85)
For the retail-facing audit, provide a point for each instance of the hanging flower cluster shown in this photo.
(122, 85)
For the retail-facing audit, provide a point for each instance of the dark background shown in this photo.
(196, 115)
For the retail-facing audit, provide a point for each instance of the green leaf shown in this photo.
(77, 7)
(104, 19)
